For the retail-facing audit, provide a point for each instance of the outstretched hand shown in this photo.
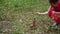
(38, 13)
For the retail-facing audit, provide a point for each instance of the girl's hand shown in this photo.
(53, 12)
(42, 13)
(38, 13)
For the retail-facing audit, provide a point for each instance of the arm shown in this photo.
(44, 12)
(56, 12)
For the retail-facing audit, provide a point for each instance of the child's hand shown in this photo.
(38, 12)
(53, 12)
(42, 13)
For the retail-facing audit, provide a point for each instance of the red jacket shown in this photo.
(55, 16)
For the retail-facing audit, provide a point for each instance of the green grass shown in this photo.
(20, 14)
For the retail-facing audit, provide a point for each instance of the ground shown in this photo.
(16, 17)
